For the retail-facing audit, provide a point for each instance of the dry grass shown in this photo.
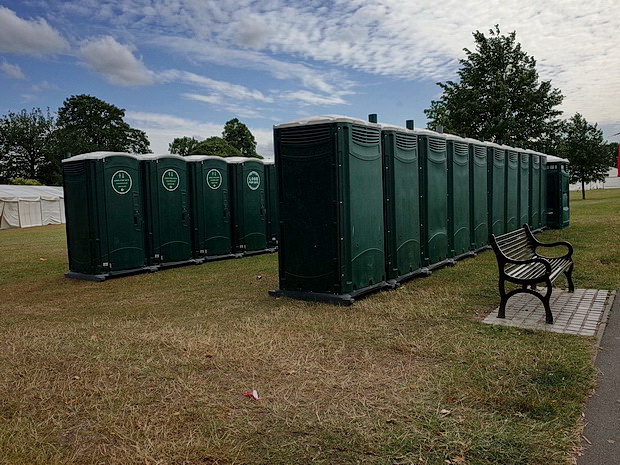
(150, 369)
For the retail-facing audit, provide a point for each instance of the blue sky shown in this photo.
(185, 67)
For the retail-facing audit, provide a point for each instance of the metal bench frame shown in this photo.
(519, 263)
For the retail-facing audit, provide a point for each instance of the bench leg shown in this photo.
(545, 300)
(569, 277)
(502, 304)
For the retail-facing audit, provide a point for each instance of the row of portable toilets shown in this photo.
(364, 206)
(128, 213)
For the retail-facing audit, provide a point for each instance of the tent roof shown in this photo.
(9, 192)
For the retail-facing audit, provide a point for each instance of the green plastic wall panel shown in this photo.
(496, 183)
(524, 188)
(459, 212)
(434, 197)
(512, 190)
(402, 203)
(478, 196)
(535, 192)
(273, 219)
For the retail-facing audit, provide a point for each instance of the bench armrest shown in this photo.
(568, 245)
(537, 243)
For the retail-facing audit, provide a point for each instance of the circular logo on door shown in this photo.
(170, 180)
(121, 182)
(253, 180)
(214, 179)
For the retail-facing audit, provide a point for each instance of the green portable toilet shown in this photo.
(273, 220)
(249, 205)
(558, 206)
(535, 194)
(496, 187)
(433, 197)
(543, 191)
(512, 189)
(332, 242)
(210, 207)
(459, 202)
(104, 212)
(167, 209)
(478, 196)
(402, 203)
(524, 187)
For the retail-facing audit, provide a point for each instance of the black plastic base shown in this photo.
(468, 254)
(258, 252)
(215, 258)
(191, 261)
(420, 272)
(112, 274)
(441, 264)
(337, 299)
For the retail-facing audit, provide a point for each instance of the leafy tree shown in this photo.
(239, 136)
(498, 97)
(24, 182)
(27, 146)
(88, 124)
(215, 146)
(585, 148)
(183, 145)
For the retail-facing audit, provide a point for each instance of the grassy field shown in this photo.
(151, 369)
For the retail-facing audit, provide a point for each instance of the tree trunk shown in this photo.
(583, 189)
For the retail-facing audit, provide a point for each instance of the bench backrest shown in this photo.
(515, 245)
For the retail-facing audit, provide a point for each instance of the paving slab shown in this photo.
(580, 312)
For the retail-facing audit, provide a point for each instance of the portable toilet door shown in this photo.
(524, 188)
(103, 206)
(433, 197)
(167, 211)
(401, 203)
(210, 201)
(332, 244)
(543, 192)
(512, 189)
(479, 209)
(249, 205)
(496, 185)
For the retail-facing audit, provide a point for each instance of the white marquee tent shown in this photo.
(25, 206)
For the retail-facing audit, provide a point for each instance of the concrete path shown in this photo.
(601, 435)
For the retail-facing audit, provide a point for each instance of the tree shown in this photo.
(585, 148)
(27, 146)
(88, 124)
(498, 97)
(239, 136)
(215, 146)
(183, 145)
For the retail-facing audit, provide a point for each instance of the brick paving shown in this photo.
(580, 312)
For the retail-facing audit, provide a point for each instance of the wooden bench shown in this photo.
(519, 263)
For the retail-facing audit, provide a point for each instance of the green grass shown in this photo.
(150, 369)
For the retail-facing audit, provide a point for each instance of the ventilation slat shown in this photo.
(406, 141)
(365, 136)
(437, 145)
(306, 135)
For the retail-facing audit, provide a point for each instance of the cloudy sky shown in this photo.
(185, 67)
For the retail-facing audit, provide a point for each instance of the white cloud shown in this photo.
(12, 71)
(31, 37)
(115, 62)
(310, 98)
(219, 87)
